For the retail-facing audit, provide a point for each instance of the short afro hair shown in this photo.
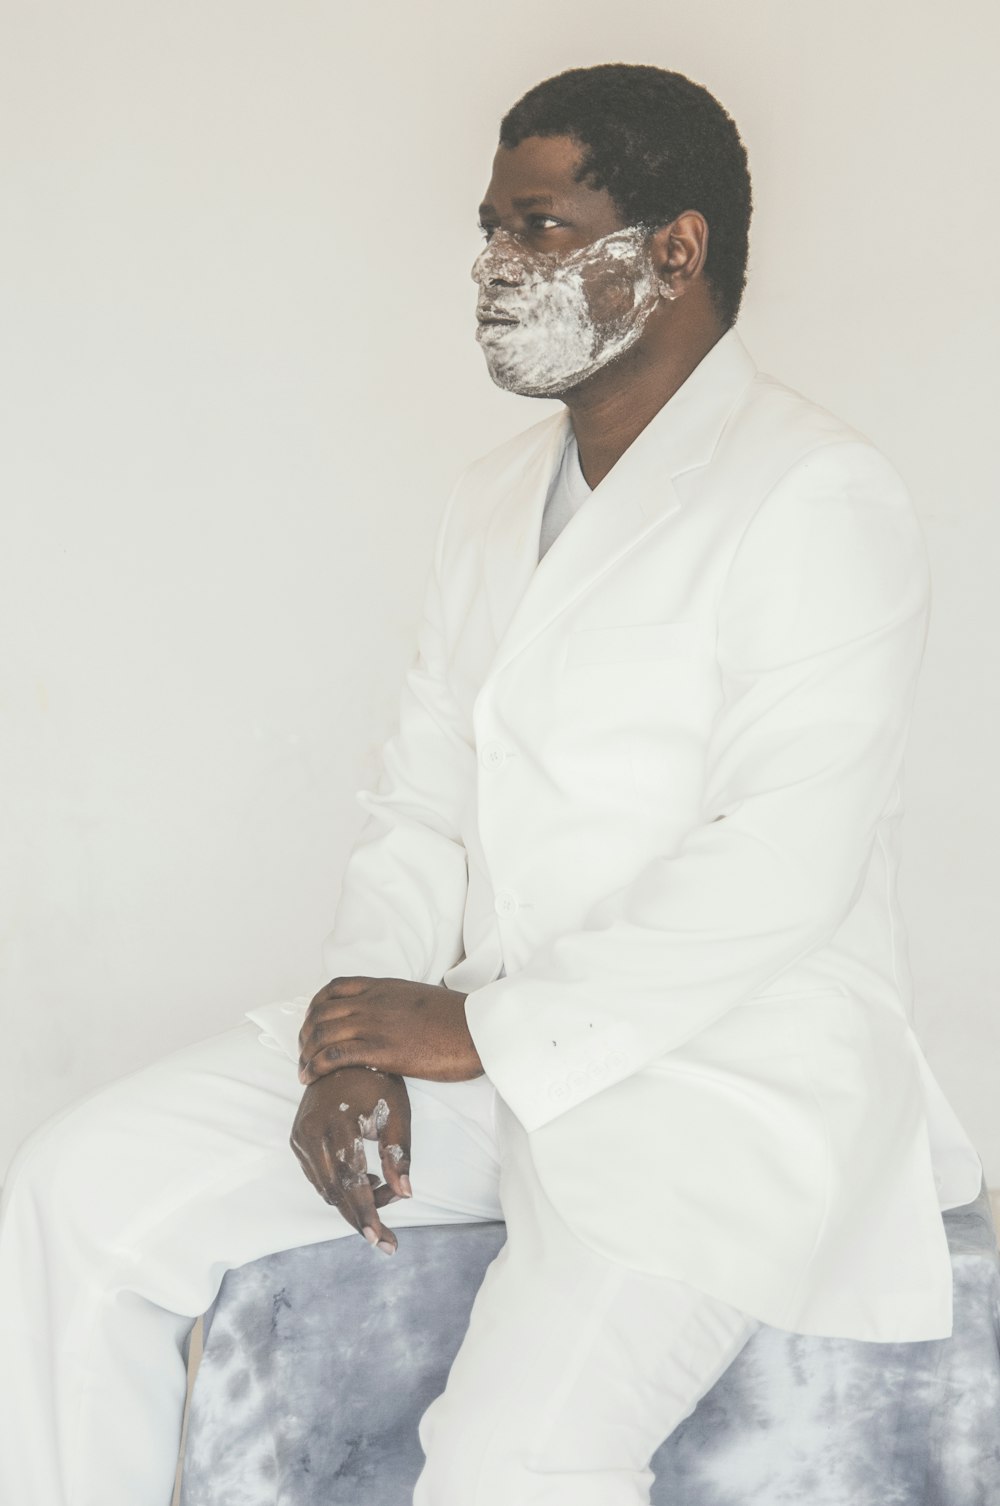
(659, 144)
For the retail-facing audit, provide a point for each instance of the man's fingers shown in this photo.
(310, 1171)
(337, 988)
(361, 1200)
(356, 1201)
(330, 1059)
(333, 1040)
(335, 1119)
(381, 1191)
(314, 1158)
(324, 1027)
(394, 1149)
(384, 1195)
(345, 988)
(395, 1157)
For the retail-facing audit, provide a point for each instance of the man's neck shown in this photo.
(609, 415)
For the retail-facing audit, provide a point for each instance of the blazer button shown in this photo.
(506, 904)
(492, 755)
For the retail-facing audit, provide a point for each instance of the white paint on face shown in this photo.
(548, 322)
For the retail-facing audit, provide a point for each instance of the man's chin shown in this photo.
(512, 381)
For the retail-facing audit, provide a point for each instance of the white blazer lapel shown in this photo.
(511, 544)
(636, 497)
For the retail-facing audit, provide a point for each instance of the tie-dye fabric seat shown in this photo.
(319, 1362)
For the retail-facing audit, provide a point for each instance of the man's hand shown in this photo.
(391, 1025)
(337, 1115)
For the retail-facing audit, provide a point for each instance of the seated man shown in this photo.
(618, 956)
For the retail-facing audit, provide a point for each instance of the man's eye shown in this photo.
(533, 224)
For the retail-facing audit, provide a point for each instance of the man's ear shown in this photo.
(680, 248)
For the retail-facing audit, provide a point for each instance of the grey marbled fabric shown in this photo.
(320, 1361)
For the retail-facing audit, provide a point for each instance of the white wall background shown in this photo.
(238, 377)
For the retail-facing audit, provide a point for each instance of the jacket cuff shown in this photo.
(537, 1077)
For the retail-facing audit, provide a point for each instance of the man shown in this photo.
(618, 955)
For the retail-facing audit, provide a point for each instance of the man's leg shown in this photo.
(120, 1218)
(573, 1370)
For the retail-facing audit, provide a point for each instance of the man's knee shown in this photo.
(471, 1456)
(484, 1456)
(38, 1161)
(67, 1164)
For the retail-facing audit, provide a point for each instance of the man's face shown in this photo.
(564, 286)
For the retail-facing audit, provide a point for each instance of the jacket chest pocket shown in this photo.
(656, 643)
(644, 679)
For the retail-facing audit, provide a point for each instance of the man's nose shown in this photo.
(500, 262)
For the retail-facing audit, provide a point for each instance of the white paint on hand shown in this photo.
(396, 1152)
(358, 1173)
(371, 1125)
(357, 1152)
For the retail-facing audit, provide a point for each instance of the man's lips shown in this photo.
(494, 316)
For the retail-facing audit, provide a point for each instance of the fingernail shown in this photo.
(404, 1183)
(370, 1235)
(386, 1247)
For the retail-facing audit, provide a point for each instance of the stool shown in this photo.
(282, 1415)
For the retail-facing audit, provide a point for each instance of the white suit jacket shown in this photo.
(656, 778)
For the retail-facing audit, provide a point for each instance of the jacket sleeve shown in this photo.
(821, 630)
(403, 893)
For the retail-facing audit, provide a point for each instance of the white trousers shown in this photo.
(121, 1216)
